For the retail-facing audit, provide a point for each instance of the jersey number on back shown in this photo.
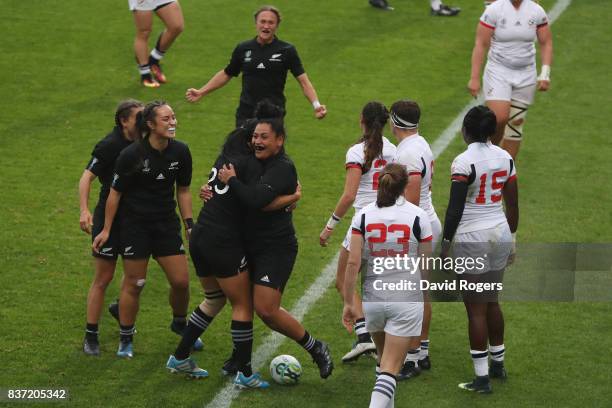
(495, 186)
(212, 177)
(382, 238)
(378, 164)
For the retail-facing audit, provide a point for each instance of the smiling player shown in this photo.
(145, 177)
(264, 62)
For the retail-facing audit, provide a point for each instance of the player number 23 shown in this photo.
(382, 230)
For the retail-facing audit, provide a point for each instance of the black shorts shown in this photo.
(110, 250)
(216, 254)
(271, 264)
(244, 113)
(141, 239)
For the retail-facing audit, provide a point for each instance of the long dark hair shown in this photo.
(391, 184)
(374, 116)
(479, 124)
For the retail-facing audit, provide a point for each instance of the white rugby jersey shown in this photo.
(487, 168)
(415, 154)
(368, 185)
(512, 44)
(389, 232)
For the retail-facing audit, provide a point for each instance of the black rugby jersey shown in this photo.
(279, 178)
(103, 157)
(146, 179)
(264, 70)
(224, 210)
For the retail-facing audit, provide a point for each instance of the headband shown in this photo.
(401, 123)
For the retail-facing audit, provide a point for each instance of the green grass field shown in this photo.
(66, 65)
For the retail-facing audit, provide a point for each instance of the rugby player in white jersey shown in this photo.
(414, 153)
(482, 176)
(508, 29)
(364, 162)
(390, 229)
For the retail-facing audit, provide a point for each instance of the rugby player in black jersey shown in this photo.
(217, 250)
(102, 165)
(270, 237)
(264, 62)
(145, 176)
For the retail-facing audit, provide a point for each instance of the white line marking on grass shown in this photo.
(558, 9)
(272, 341)
(447, 136)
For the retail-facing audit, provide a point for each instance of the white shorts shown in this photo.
(490, 248)
(147, 5)
(402, 319)
(500, 83)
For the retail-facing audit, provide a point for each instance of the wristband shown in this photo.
(188, 223)
(332, 222)
(544, 73)
(316, 104)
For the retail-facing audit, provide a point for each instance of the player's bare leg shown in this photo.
(478, 334)
(392, 357)
(513, 132)
(364, 344)
(267, 303)
(177, 272)
(502, 113)
(424, 362)
(134, 275)
(104, 272)
(497, 350)
(172, 17)
(143, 20)
(144, 24)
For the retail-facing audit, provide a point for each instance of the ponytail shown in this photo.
(374, 116)
(391, 184)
